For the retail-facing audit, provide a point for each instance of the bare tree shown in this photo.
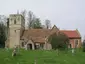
(3, 19)
(31, 19)
(47, 24)
(23, 13)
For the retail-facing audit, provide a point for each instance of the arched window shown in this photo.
(18, 19)
(70, 46)
(14, 21)
(11, 19)
(76, 43)
(15, 31)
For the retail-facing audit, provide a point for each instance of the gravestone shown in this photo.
(14, 52)
(26, 47)
(73, 51)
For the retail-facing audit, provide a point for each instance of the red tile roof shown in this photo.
(71, 33)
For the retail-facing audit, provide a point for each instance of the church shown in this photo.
(35, 38)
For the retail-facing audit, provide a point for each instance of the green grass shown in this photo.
(42, 57)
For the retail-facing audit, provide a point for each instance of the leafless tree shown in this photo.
(23, 13)
(31, 19)
(3, 19)
(47, 24)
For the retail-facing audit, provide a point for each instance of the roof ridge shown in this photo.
(67, 30)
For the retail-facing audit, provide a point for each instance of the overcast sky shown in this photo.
(65, 14)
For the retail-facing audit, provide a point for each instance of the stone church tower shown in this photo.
(16, 28)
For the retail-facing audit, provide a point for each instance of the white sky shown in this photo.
(65, 14)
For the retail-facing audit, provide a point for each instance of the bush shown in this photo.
(84, 46)
(59, 41)
(2, 35)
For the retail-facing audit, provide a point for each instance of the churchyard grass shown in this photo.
(42, 57)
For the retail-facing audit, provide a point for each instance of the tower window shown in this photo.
(11, 19)
(15, 31)
(18, 18)
(14, 21)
